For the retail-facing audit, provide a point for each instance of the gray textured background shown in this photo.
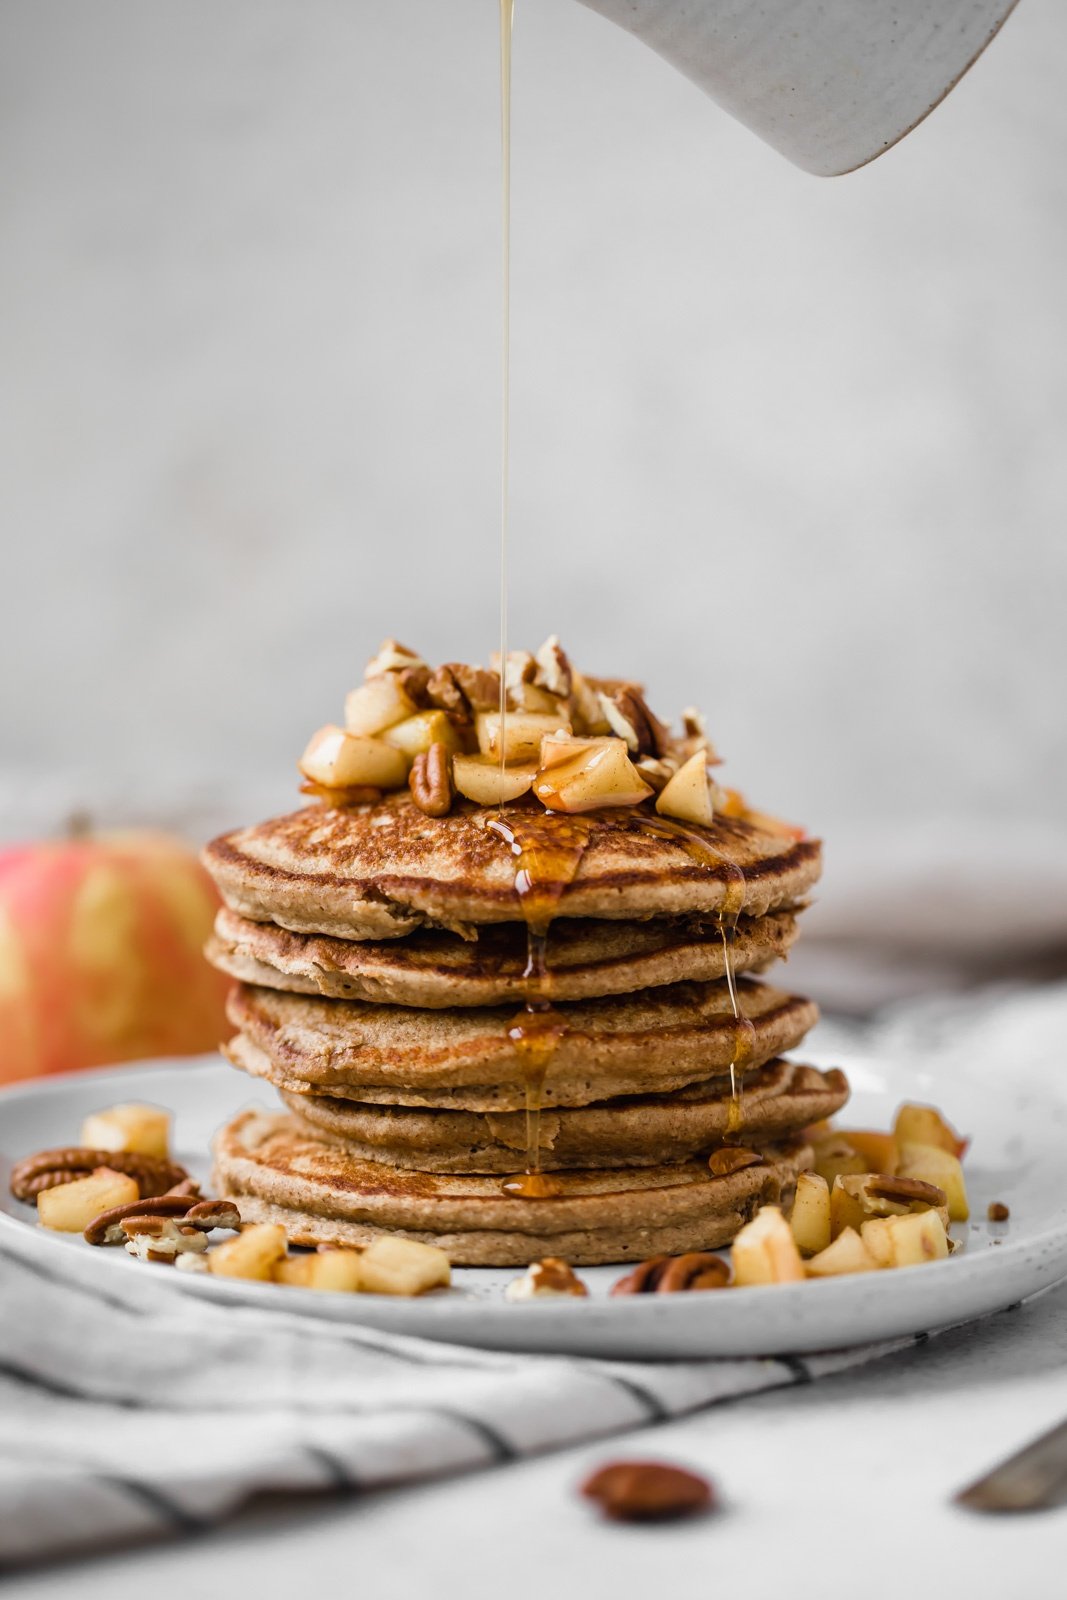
(793, 448)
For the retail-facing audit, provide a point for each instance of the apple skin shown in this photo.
(101, 954)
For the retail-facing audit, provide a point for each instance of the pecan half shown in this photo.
(49, 1168)
(731, 1158)
(905, 1191)
(697, 1269)
(647, 1491)
(183, 1204)
(430, 781)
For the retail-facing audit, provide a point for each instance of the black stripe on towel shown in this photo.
(338, 1471)
(799, 1370)
(650, 1403)
(156, 1501)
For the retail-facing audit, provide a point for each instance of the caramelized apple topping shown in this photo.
(577, 742)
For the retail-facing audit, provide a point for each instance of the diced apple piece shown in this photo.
(403, 1266)
(378, 704)
(835, 1156)
(523, 732)
(603, 776)
(855, 1198)
(933, 1164)
(879, 1150)
(335, 1270)
(810, 1217)
(848, 1253)
(341, 760)
(294, 1271)
(906, 1241)
(487, 783)
(917, 1124)
(416, 734)
(850, 1205)
(143, 1129)
(530, 697)
(339, 1271)
(689, 796)
(559, 747)
(253, 1254)
(766, 1252)
(71, 1207)
(586, 703)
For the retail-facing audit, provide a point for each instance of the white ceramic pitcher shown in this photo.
(829, 83)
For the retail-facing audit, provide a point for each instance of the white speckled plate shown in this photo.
(1019, 1131)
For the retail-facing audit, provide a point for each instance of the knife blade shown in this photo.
(1033, 1479)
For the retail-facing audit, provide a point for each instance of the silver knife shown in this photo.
(1034, 1479)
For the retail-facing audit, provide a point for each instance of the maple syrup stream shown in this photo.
(548, 849)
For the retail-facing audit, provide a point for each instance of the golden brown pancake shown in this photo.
(637, 1130)
(380, 871)
(431, 969)
(466, 1059)
(277, 1172)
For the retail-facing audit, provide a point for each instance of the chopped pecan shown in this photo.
(554, 671)
(481, 688)
(49, 1168)
(547, 1279)
(656, 773)
(905, 1191)
(392, 657)
(732, 1158)
(998, 1211)
(462, 691)
(630, 718)
(182, 1204)
(698, 1269)
(414, 682)
(443, 690)
(430, 781)
(647, 1491)
(161, 1238)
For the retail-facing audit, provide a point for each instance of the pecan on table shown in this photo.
(647, 1491)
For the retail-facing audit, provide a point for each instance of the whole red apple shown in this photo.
(101, 940)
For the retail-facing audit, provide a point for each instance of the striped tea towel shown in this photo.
(129, 1409)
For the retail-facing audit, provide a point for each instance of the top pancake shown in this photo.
(381, 871)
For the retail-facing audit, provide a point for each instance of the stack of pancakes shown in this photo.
(386, 986)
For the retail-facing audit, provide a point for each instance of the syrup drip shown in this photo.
(507, 23)
(548, 849)
(698, 849)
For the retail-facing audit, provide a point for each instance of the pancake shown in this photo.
(277, 1172)
(638, 1130)
(381, 871)
(431, 969)
(464, 1059)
